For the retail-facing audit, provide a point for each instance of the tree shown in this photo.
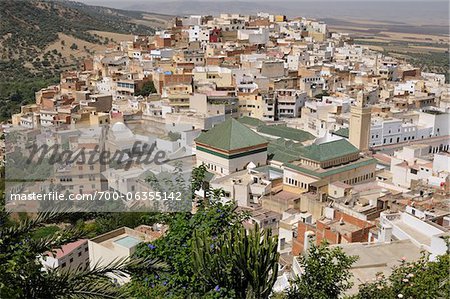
(175, 249)
(147, 88)
(198, 179)
(326, 273)
(417, 279)
(320, 95)
(245, 265)
(21, 274)
(74, 46)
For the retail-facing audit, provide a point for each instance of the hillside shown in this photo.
(38, 39)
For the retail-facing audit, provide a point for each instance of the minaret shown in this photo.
(360, 123)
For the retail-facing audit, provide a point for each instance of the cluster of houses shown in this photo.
(316, 137)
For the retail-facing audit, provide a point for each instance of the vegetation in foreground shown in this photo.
(204, 255)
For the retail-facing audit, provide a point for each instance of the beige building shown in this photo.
(321, 164)
(360, 123)
(72, 256)
(118, 244)
(252, 105)
(178, 95)
(221, 77)
(88, 116)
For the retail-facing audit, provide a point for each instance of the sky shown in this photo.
(130, 2)
(414, 12)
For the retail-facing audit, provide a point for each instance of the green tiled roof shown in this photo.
(267, 168)
(251, 121)
(286, 132)
(329, 150)
(283, 150)
(343, 132)
(230, 135)
(333, 170)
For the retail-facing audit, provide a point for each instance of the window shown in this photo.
(71, 260)
(79, 253)
(63, 265)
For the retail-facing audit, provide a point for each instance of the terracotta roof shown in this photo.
(383, 158)
(68, 248)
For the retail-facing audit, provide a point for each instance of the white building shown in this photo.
(198, 33)
(70, 256)
(115, 245)
(290, 102)
(246, 187)
(430, 123)
(404, 226)
(254, 36)
(407, 167)
(406, 88)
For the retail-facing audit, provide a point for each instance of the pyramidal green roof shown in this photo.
(230, 135)
(329, 150)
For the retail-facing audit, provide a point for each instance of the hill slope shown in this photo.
(38, 39)
(28, 27)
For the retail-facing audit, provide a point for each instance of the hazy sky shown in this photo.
(130, 2)
(415, 12)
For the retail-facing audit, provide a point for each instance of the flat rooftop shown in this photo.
(123, 237)
(343, 227)
(377, 257)
(241, 178)
(411, 231)
(324, 172)
(128, 241)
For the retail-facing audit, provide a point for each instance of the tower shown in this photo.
(360, 123)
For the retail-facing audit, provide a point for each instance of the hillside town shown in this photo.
(313, 136)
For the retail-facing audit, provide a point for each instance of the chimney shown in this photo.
(310, 238)
(385, 233)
